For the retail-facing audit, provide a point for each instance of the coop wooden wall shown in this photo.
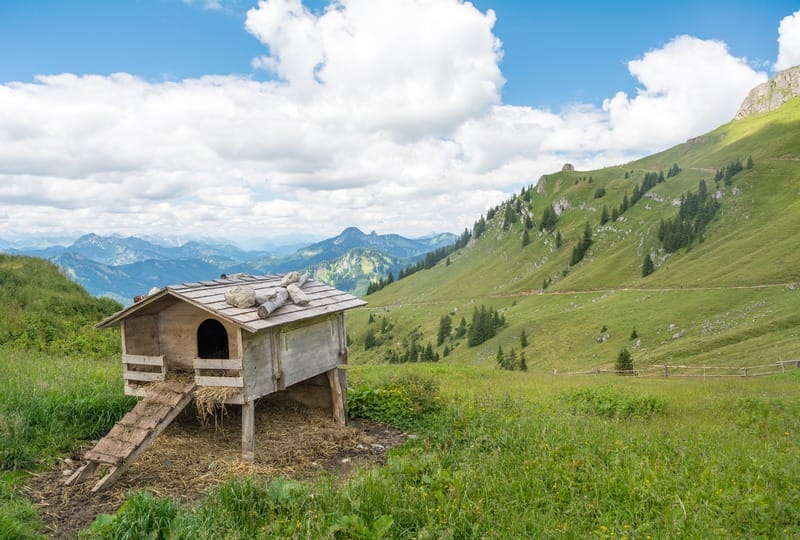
(177, 328)
(309, 349)
(141, 335)
(258, 364)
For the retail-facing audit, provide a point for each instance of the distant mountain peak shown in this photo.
(768, 96)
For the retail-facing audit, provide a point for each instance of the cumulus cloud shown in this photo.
(385, 114)
(689, 85)
(788, 42)
(410, 68)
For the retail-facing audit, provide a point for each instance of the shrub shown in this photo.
(607, 402)
(403, 402)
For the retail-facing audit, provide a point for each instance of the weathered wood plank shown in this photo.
(234, 382)
(337, 399)
(217, 363)
(144, 376)
(248, 431)
(102, 458)
(143, 360)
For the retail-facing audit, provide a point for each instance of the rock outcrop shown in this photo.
(770, 95)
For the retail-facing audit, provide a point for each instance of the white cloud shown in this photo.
(788, 42)
(689, 86)
(385, 114)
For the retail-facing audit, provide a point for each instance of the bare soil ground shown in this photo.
(189, 458)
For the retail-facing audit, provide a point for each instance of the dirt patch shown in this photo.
(189, 458)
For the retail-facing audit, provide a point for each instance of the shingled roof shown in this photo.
(210, 296)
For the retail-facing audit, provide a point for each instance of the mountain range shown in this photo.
(123, 267)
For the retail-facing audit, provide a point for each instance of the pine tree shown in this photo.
(559, 240)
(370, 340)
(523, 364)
(511, 360)
(634, 334)
(501, 359)
(371, 319)
(526, 238)
(445, 326)
(523, 339)
(647, 266)
(624, 363)
(604, 215)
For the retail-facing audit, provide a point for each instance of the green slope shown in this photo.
(42, 310)
(729, 299)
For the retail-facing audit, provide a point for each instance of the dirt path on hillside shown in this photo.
(188, 459)
(568, 292)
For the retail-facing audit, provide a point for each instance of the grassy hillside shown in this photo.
(61, 380)
(41, 310)
(727, 299)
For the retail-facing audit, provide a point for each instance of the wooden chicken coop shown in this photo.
(189, 336)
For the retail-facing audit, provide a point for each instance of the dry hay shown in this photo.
(189, 458)
(209, 401)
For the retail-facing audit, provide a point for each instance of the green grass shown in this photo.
(48, 405)
(515, 455)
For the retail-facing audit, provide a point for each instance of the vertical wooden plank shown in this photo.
(249, 431)
(337, 403)
(122, 336)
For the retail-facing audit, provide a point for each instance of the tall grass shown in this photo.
(47, 405)
(675, 459)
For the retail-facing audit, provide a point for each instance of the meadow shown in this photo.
(497, 454)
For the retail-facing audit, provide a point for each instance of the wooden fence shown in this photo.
(705, 372)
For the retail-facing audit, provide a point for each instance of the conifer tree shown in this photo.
(511, 360)
(501, 359)
(523, 364)
(647, 266)
(526, 238)
(370, 340)
(523, 339)
(445, 326)
(604, 215)
(624, 363)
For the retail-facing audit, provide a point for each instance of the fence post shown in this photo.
(666, 371)
(783, 367)
(745, 373)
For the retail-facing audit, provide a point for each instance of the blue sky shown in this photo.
(201, 113)
(554, 52)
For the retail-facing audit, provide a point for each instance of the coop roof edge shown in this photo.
(177, 292)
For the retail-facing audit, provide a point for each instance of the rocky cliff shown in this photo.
(772, 94)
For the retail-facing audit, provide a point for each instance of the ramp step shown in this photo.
(135, 432)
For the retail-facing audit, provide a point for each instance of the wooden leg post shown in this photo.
(248, 431)
(337, 399)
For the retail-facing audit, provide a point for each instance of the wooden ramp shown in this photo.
(135, 432)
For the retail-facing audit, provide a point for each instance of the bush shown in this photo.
(403, 402)
(610, 403)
